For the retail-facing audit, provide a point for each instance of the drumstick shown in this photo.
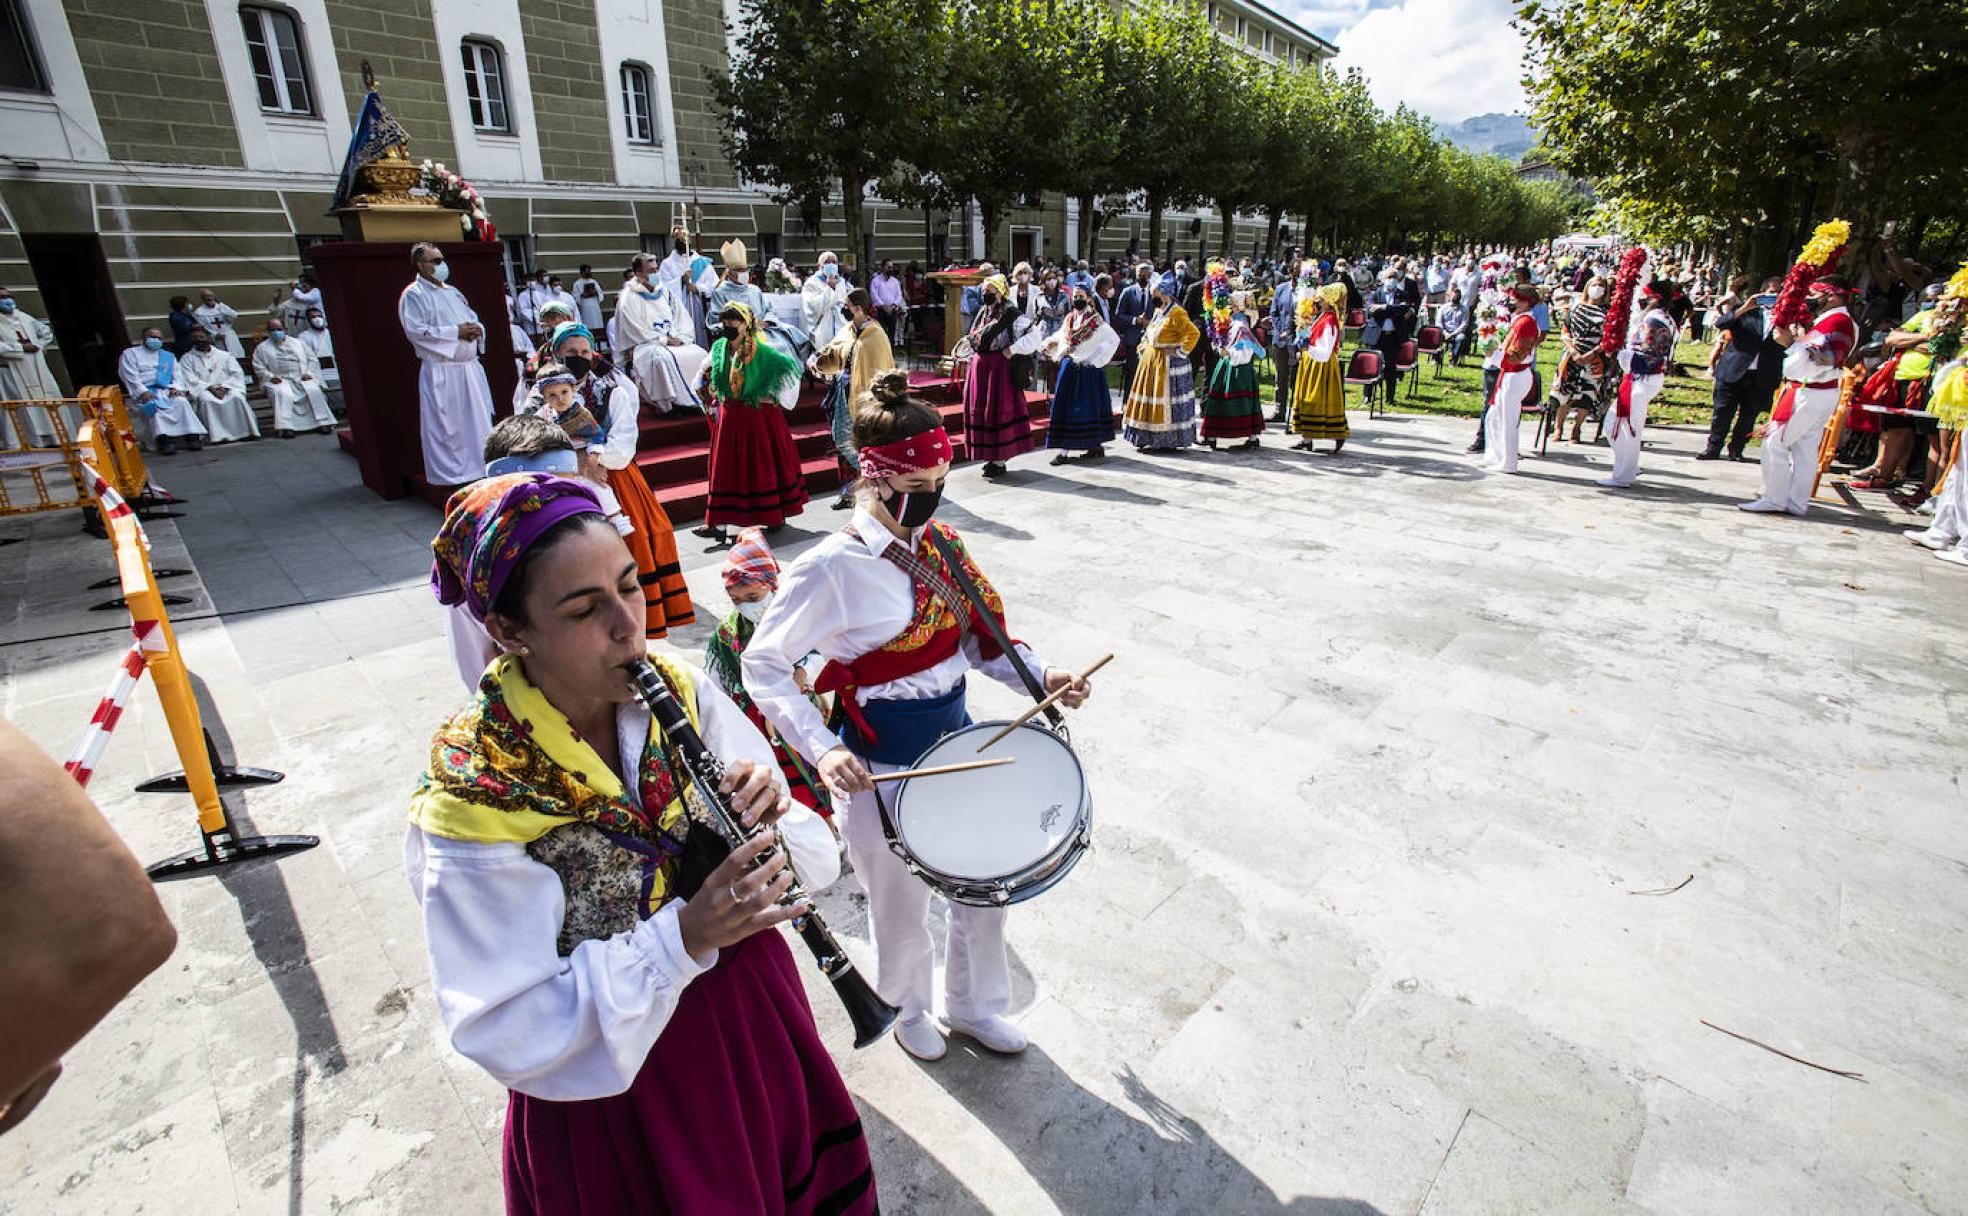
(937, 770)
(1046, 704)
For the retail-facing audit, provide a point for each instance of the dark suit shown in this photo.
(1202, 356)
(1131, 311)
(1746, 377)
(1396, 317)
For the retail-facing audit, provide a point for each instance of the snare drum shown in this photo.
(994, 836)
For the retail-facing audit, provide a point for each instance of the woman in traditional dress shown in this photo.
(997, 422)
(1161, 403)
(589, 946)
(607, 397)
(857, 352)
(749, 385)
(1231, 410)
(1319, 394)
(1082, 407)
(875, 600)
(1582, 370)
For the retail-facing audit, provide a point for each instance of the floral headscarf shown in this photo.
(489, 525)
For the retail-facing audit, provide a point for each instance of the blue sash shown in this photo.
(907, 728)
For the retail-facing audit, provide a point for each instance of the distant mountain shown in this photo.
(1507, 135)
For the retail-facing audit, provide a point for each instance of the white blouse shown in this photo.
(843, 598)
(569, 1029)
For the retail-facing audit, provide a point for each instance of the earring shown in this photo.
(525, 650)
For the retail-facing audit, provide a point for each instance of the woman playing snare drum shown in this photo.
(877, 602)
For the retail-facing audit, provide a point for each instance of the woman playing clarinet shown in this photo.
(590, 944)
(878, 601)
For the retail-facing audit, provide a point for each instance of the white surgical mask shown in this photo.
(442, 272)
(318, 322)
(754, 610)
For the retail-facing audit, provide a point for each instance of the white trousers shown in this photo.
(976, 972)
(1950, 524)
(174, 417)
(1790, 450)
(667, 374)
(1626, 438)
(299, 405)
(1500, 424)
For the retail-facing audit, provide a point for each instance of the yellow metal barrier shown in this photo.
(126, 470)
(29, 463)
(203, 773)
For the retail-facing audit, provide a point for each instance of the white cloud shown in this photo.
(1449, 59)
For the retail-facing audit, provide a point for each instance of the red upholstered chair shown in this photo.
(1363, 368)
(1355, 318)
(1405, 361)
(1429, 342)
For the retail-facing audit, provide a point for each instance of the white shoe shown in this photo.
(1954, 557)
(1919, 537)
(1759, 507)
(993, 1033)
(1799, 512)
(1614, 483)
(920, 1037)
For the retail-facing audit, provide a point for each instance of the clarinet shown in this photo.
(870, 1014)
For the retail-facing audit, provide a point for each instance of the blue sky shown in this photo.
(1448, 59)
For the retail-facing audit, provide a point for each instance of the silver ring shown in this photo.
(732, 891)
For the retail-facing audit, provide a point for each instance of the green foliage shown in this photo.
(1702, 121)
(942, 102)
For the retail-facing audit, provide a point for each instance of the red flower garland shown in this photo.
(1619, 309)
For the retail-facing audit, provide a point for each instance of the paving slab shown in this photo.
(1398, 774)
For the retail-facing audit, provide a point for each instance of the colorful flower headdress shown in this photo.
(1821, 256)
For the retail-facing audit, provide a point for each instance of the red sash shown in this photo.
(935, 631)
(1624, 411)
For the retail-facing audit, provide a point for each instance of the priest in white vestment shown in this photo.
(455, 400)
(24, 374)
(291, 376)
(149, 373)
(222, 319)
(822, 297)
(665, 366)
(216, 386)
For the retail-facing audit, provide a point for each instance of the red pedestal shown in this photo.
(360, 284)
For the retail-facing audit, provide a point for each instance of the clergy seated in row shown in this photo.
(215, 385)
(158, 408)
(291, 376)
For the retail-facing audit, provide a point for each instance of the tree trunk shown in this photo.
(1089, 230)
(1155, 207)
(1273, 219)
(1229, 210)
(990, 213)
(851, 200)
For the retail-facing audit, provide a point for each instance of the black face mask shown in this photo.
(679, 246)
(578, 365)
(1083, 305)
(914, 508)
(846, 315)
(731, 332)
(201, 345)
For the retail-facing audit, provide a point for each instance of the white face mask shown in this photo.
(754, 610)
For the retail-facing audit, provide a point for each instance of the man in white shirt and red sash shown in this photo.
(1810, 394)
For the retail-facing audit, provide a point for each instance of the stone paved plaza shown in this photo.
(1389, 765)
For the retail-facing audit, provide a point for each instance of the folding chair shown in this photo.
(1406, 359)
(1428, 341)
(1363, 369)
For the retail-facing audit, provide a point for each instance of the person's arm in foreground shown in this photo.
(80, 925)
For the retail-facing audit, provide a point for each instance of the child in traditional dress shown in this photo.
(751, 579)
(558, 405)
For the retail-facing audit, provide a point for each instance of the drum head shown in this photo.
(992, 822)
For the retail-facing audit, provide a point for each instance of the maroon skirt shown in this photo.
(755, 467)
(737, 1109)
(997, 422)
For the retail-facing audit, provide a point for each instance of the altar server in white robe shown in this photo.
(455, 400)
(221, 318)
(291, 376)
(680, 276)
(149, 373)
(822, 297)
(651, 341)
(322, 343)
(216, 385)
(587, 299)
(24, 373)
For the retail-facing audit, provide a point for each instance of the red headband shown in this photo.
(905, 456)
